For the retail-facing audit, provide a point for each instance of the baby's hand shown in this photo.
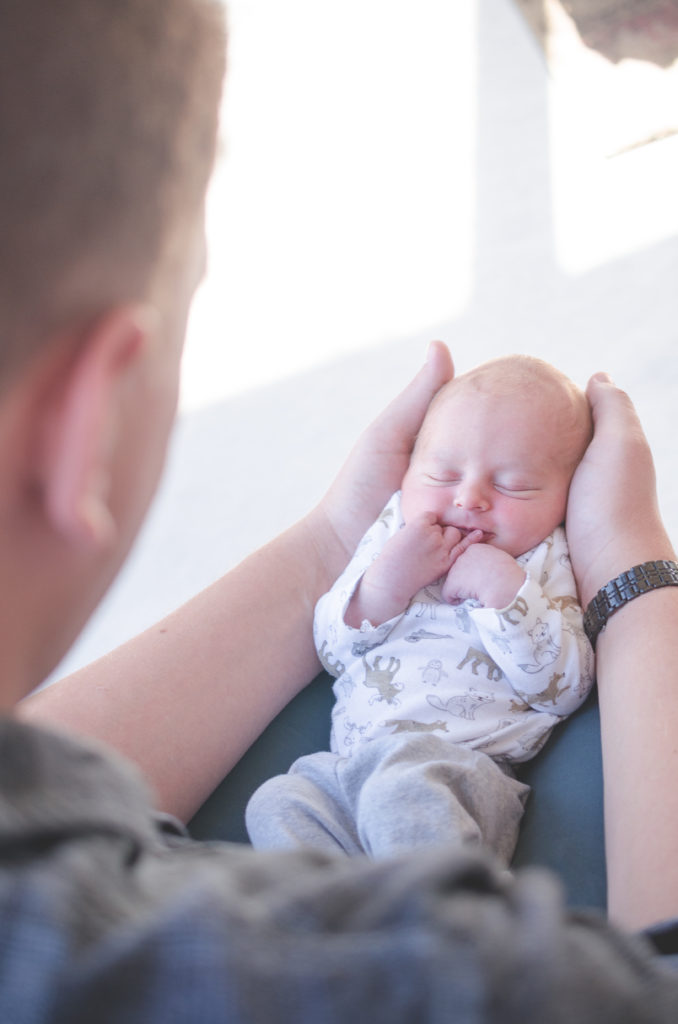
(419, 554)
(485, 573)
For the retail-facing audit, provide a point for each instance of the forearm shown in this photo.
(637, 669)
(185, 699)
(375, 605)
(613, 523)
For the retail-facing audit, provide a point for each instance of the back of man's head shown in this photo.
(107, 133)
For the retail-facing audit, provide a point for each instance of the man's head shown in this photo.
(107, 141)
(497, 452)
(108, 127)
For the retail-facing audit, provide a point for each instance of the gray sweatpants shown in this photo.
(395, 793)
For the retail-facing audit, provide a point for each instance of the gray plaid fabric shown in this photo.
(104, 916)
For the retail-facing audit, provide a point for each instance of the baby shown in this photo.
(455, 632)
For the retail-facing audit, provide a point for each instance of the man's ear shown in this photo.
(80, 425)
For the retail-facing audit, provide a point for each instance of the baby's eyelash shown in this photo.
(515, 490)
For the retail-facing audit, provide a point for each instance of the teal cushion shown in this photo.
(301, 728)
(563, 824)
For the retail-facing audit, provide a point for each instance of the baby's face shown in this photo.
(484, 462)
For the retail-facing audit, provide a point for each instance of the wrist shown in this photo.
(326, 544)
(618, 558)
(504, 592)
(373, 604)
(500, 579)
(653, 575)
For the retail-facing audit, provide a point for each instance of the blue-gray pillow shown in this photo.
(563, 824)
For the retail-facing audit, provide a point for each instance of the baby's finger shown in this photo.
(451, 536)
(464, 544)
(426, 519)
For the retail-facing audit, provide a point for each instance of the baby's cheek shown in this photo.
(527, 529)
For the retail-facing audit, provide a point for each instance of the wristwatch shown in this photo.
(618, 592)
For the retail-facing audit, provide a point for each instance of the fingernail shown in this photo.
(602, 377)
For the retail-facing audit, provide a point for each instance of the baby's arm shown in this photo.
(418, 554)
(538, 639)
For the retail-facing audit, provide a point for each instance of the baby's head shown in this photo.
(497, 451)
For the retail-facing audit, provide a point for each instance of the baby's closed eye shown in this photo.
(517, 488)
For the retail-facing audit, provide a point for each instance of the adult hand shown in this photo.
(613, 519)
(377, 464)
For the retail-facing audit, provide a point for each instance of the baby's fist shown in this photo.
(486, 574)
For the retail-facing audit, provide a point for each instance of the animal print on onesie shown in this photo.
(447, 681)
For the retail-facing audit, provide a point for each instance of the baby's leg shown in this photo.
(306, 807)
(423, 790)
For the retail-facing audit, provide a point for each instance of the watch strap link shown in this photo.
(628, 585)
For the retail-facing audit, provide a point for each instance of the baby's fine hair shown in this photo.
(108, 129)
(525, 378)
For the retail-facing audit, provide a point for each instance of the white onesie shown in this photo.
(495, 680)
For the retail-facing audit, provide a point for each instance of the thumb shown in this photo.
(402, 419)
(599, 388)
(605, 396)
(613, 411)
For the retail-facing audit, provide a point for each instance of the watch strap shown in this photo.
(627, 586)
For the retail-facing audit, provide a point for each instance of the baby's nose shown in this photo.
(472, 496)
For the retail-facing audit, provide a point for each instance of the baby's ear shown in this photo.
(80, 424)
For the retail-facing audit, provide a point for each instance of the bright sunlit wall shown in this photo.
(343, 210)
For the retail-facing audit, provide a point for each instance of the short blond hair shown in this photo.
(108, 124)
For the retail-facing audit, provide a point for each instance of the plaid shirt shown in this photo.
(105, 917)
